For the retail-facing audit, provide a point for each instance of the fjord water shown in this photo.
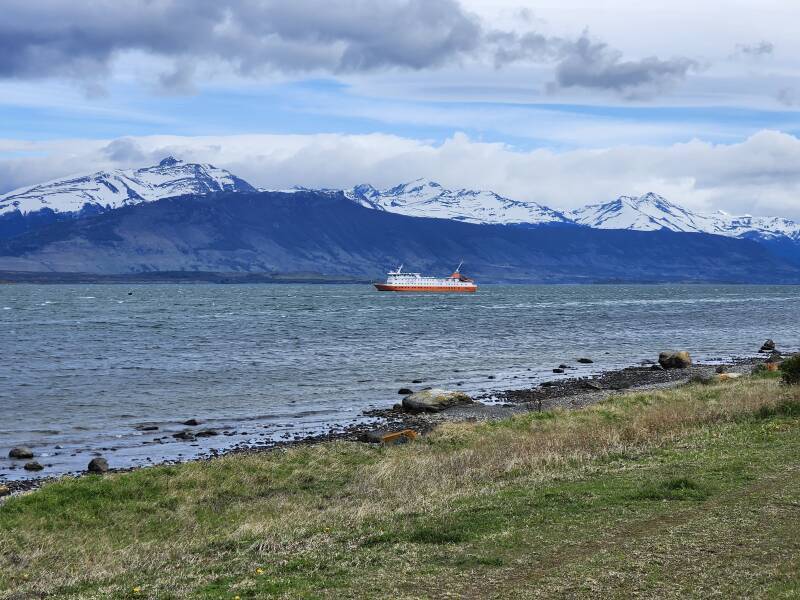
(84, 365)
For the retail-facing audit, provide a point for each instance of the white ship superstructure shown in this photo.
(399, 281)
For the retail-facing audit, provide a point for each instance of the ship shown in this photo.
(399, 281)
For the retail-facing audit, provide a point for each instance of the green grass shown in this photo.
(691, 492)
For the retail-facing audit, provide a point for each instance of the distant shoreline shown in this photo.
(156, 277)
(234, 278)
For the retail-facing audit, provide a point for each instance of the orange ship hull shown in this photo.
(385, 287)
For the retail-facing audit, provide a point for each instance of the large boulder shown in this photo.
(675, 360)
(98, 465)
(767, 346)
(435, 400)
(22, 452)
(4, 490)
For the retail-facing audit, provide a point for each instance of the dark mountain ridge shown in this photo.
(326, 233)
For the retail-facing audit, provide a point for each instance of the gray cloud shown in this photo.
(510, 47)
(78, 40)
(124, 151)
(762, 48)
(53, 38)
(595, 65)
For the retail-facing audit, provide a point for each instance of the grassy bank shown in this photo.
(693, 491)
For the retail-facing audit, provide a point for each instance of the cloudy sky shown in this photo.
(563, 102)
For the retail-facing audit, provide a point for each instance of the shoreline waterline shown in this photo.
(569, 393)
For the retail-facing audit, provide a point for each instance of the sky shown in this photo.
(562, 102)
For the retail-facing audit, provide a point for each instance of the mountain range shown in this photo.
(178, 216)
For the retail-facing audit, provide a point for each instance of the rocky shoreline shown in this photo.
(566, 393)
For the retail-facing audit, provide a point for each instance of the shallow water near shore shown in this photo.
(84, 365)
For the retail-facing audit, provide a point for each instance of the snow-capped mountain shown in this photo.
(652, 212)
(422, 198)
(111, 189)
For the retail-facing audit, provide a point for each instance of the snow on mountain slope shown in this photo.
(422, 198)
(112, 189)
(762, 227)
(652, 212)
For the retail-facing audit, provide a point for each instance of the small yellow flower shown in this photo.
(137, 590)
(237, 598)
(25, 576)
(259, 571)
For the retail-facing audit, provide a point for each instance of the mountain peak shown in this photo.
(106, 190)
(169, 161)
(649, 212)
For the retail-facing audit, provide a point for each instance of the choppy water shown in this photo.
(83, 365)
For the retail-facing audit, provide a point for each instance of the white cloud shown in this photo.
(760, 175)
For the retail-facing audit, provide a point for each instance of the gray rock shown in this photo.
(559, 370)
(98, 465)
(184, 435)
(4, 490)
(33, 466)
(21, 452)
(192, 422)
(405, 391)
(435, 400)
(675, 360)
(721, 369)
(418, 381)
(563, 366)
(206, 433)
(585, 361)
(768, 346)
(146, 428)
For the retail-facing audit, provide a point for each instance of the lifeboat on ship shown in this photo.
(401, 281)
